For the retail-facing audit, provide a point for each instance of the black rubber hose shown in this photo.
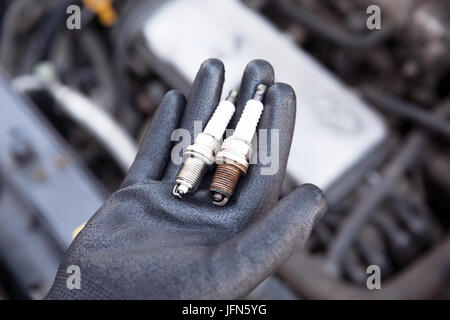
(322, 28)
(8, 29)
(427, 278)
(134, 14)
(366, 207)
(40, 44)
(408, 111)
(95, 50)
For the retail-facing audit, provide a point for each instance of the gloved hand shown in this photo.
(146, 244)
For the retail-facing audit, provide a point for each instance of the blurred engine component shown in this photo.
(394, 218)
(42, 182)
(93, 119)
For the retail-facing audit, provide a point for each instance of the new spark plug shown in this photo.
(233, 158)
(201, 154)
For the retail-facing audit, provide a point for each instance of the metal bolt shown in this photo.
(201, 154)
(232, 160)
(21, 150)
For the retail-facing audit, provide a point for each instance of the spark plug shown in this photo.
(201, 154)
(233, 158)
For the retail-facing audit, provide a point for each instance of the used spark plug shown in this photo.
(201, 154)
(233, 159)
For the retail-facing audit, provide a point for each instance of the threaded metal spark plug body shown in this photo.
(233, 158)
(201, 154)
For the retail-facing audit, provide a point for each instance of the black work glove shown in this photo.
(146, 244)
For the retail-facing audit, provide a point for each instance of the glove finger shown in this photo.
(252, 255)
(155, 147)
(256, 72)
(203, 99)
(260, 187)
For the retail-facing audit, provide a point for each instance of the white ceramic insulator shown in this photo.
(219, 121)
(246, 126)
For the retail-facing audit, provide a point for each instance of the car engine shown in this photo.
(372, 127)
